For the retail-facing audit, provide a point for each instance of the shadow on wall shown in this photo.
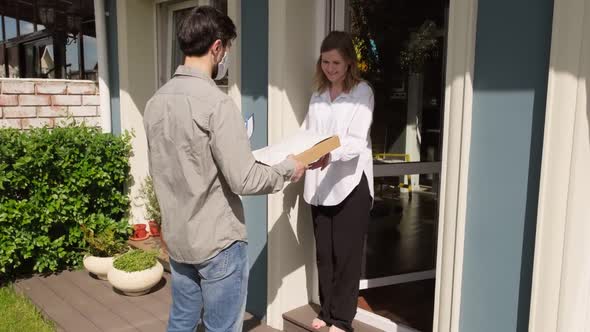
(298, 237)
(138, 77)
(137, 80)
(292, 64)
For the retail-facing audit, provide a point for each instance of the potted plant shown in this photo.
(152, 206)
(135, 272)
(102, 247)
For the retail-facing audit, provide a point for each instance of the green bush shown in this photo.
(52, 182)
(136, 260)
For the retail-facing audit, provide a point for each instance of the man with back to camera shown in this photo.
(200, 161)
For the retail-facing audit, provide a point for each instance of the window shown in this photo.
(10, 24)
(169, 53)
(48, 39)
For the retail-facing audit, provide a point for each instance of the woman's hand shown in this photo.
(322, 163)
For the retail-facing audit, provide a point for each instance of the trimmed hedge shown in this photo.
(51, 183)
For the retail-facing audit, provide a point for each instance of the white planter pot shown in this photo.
(136, 283)
(99, 266)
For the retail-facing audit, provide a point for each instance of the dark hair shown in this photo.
(201, 28)
(342, 42)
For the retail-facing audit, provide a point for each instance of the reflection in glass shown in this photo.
(10, 24)
(43, 38)
(13, 62)
(402, 235)
(26, 27)
(39, 59)
(2, 62)
(402, 59)
(31, 64)
(400, 47)
(90, 58)
(72, 58)
(47, 62)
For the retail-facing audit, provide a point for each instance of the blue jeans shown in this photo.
(218, 285)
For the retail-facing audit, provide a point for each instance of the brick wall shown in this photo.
(27, 103)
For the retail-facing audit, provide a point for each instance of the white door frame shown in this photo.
(455, 163)
(560, 298)
(454, 171)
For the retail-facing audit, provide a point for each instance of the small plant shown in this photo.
(104, 243)
(136, 260)
(147, 193)
(422, 47)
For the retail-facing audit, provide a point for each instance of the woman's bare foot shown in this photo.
(333, 328)
(317, 323)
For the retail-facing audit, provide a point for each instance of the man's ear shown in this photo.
(216, 46)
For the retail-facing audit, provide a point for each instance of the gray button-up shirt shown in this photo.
(200, 161)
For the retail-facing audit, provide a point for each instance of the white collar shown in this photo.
(343, 95)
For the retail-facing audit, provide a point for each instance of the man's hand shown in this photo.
(322, 163)
(300, 169)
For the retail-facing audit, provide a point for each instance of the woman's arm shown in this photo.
(355, 140)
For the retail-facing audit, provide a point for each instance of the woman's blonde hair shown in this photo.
(342, 42)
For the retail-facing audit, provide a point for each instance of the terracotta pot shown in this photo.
(139, 231)
(154, 229)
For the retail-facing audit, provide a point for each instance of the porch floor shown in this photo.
(75, 301)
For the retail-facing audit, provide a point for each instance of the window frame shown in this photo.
(166, 35)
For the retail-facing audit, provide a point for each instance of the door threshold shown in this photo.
(380, 322)
(397, 279)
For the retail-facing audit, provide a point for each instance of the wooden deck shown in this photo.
(75, 301)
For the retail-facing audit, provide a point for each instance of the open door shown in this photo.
(401, 51)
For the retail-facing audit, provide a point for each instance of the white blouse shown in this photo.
(349, 116)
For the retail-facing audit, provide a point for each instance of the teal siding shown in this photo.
(510, 86)
(255, 102)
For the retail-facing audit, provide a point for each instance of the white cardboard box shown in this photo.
(306, 146)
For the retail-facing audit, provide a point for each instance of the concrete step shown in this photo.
(299, 320)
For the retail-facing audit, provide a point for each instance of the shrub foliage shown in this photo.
(52, 182)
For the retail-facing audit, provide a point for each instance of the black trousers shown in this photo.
(340, 232)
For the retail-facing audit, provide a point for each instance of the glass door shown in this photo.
(401, 51)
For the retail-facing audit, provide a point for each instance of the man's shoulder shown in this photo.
(194, 90)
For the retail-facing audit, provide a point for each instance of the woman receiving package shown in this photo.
(339, 186)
